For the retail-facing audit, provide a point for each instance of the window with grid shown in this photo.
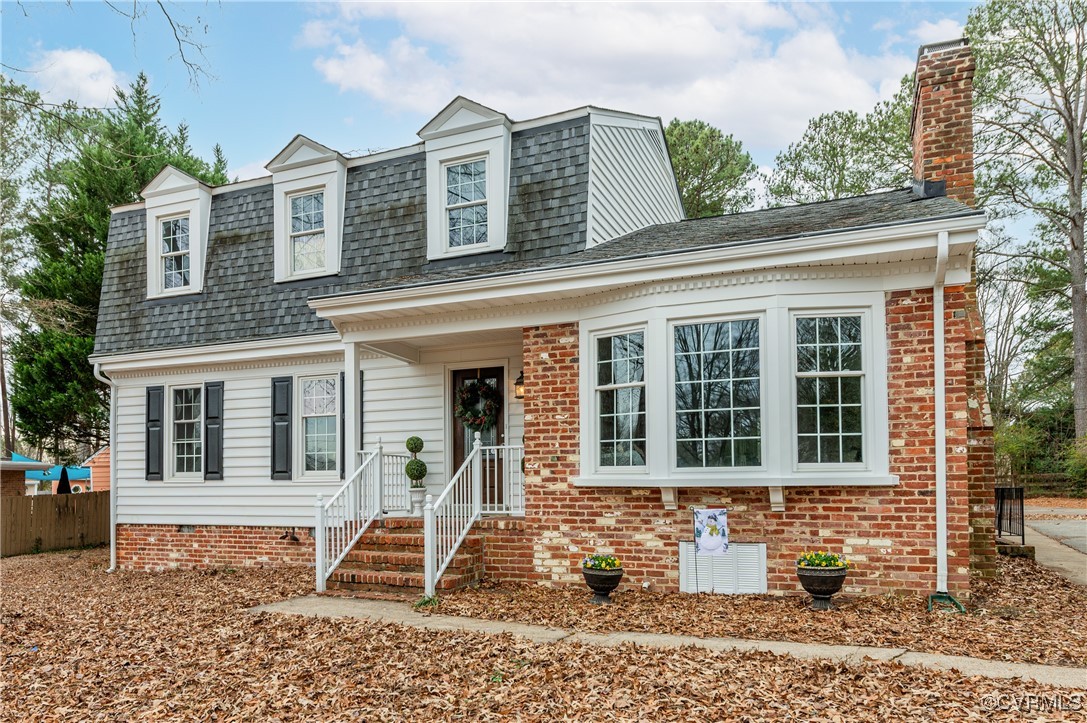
(620, 392)
(186, 419)
(829, 378)
(175, 253)
(320, 413)
(718, 401)
(307, 239)
(466, 203)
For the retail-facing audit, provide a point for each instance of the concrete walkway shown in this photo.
(1066, 560)
(403, 614)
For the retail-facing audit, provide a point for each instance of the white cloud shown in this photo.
(934, 32)
(76, 74)
(756, 70)
(256, 169)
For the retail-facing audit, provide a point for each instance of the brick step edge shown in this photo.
(360, 558)
(397, 580)
(392, 539)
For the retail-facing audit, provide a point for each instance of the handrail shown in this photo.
(490, 481)
(343, 519)
(447, 520)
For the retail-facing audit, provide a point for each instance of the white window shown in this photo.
(309, 186)
(186, 432)
(178, 211)
(307, 232)
(620, 394)
(790, 392)
(174, 252)
(718, 420)
(829, 382)
(466, 203)
(319, 425)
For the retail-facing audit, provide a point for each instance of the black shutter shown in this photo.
(213, 430)
(282, 394)
(343, 427)
(156, 397)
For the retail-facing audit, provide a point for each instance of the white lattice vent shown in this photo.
(741, 570)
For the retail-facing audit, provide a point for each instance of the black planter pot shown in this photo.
(821, 583)
(602, 583)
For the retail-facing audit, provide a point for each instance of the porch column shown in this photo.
(352, 399)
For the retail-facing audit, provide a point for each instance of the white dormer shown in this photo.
(309, 183)
(468, 179)
(178, 212)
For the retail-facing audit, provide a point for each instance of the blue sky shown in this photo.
(367, 76)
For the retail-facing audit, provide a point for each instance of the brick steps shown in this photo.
(389, 558)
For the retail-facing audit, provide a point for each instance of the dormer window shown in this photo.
(307, 232)
(466, 203)
(309, 184)
(178, 213)
(468, 180)
(174, 234)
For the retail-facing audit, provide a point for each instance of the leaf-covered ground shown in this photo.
(78, 644)
(1026, 614)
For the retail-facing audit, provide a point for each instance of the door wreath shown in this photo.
(478, 405)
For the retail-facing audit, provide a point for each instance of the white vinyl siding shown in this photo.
(399, 400)
(740, 571)
(632, 184)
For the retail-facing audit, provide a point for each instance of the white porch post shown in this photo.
(477, 477)
(352, 399)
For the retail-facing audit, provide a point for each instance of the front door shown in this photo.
(463, 438)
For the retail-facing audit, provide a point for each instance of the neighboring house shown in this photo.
(15, 473)
(98, 463)
(78, 477)
(786, 364)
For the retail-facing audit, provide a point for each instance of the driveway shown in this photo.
(1069, 532)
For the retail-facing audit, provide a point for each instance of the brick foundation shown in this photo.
(188, 547)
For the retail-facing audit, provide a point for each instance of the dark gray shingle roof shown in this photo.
(772, 224)
(384, 239)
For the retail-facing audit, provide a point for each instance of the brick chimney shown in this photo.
(942, 128)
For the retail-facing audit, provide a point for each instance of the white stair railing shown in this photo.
(447, 520)
(395, 482)
(490, 481)
(344, 517)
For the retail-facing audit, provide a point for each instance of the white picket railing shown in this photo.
(343, 519)
(490, 481)
(395, 482)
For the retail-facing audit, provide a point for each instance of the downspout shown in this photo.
(940, 404)
(100, 376)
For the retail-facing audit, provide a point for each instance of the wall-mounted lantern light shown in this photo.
(519, 386)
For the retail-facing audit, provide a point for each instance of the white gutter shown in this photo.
(112, 466)
(940, 393)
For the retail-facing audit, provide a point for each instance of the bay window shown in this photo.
(782, 390)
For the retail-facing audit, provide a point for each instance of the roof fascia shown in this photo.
(220, 353)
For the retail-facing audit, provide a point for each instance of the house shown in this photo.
(817, 370)
(15, 471)
(98, 464)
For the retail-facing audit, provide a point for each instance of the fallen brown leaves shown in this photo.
(1079, 503)
(79, 644)
(1027, 614)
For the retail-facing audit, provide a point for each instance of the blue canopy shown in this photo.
(53, 473)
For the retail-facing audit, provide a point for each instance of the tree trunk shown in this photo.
(1079, 322)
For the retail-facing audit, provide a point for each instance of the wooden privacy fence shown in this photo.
(53, 522)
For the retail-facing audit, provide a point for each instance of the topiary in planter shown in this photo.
(415, 469)
(414, 445)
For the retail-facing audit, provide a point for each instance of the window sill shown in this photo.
(183, 291)
(307, 275)
(838, 479)
(461, 251)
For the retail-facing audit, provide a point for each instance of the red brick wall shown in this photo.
(889, 532)
(187, 547)
(12, 483)
(943, 131)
